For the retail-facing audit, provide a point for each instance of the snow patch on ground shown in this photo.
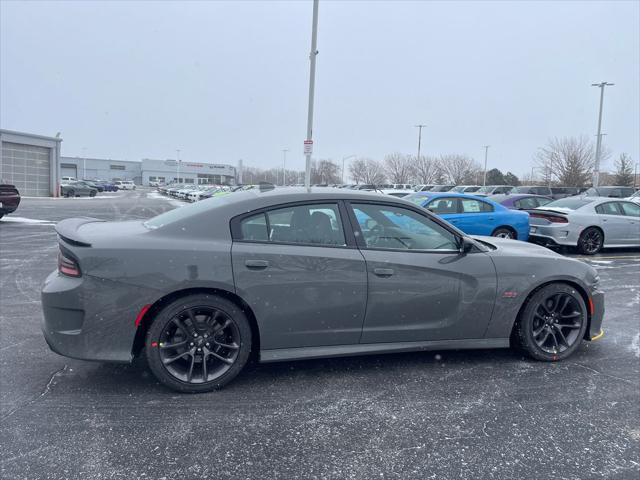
(28, 221)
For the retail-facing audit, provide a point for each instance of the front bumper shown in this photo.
(81, 319)
(596, 311)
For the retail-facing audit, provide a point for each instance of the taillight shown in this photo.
(68, 265)
(551, 218)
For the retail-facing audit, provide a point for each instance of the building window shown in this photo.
(117, 167)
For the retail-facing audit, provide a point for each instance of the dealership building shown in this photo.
(34, 164)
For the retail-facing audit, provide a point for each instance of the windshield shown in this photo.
(486, 189)
(568, 203)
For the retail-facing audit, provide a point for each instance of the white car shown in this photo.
(69, 179)
(635, 198)
(125, 185)
(396, 192)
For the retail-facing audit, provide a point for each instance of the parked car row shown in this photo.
(71, 187)
(192, 192)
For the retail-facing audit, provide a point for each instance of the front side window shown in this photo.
(443, 205)
(317, 224)
(397, 228)
(471, 205)
(630, 209)
(610, 208)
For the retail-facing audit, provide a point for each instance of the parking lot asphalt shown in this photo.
(464, 415)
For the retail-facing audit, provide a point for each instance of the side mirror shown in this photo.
(466, 245)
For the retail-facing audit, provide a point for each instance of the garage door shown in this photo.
(68, 170)
(27, 167)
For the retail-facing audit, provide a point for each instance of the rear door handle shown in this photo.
(383, 272)
(256, 264)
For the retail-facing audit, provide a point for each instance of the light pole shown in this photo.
(312, 82)
(343, 159)
(284, 166)
(486, 154)
(178, 166)
(596, 169)
(419, 127)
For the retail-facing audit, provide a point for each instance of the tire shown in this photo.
(70, 194)
(1, 215)
(544, 318)
(590, 241)
(92, 193)
(190, 366)
(504, 232)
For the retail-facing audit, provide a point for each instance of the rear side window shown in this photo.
(526, 203)
(317, 224)
(470, 205)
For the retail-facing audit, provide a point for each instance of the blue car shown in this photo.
(475, 215)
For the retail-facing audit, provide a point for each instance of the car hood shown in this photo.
(507, 247)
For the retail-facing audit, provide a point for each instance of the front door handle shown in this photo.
(256, 264)
(383, 272)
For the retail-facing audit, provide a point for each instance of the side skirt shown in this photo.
(307, 353)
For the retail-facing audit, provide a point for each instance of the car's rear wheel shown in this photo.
(198, 343)
(92, 193)
(590, 241)
(504, 232)
(553, 323)
(70, 194)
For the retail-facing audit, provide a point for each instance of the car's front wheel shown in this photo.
(552, 323)
(198, 343)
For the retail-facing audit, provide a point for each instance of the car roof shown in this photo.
(447, 194)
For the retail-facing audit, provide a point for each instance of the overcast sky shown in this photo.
(228, 80)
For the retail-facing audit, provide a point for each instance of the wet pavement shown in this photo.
(466, 415)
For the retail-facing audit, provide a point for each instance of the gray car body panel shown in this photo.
(130, 265)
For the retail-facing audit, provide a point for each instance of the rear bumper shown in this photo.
(552, 235)
(9, 204)
(77, 323)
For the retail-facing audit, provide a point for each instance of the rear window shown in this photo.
(417, 199)
(568, 203)
(182, 213)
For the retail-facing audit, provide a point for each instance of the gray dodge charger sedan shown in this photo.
(292, 274)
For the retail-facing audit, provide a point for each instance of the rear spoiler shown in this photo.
(68, 230)
(542, 212)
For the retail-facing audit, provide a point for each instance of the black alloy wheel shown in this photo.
(553, 323)
(198, 343)
(591, 241)
(503, 232)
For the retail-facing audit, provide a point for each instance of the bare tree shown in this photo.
(425, 169)
(366, 170)
(624, 170)
(570, 160)
(458, 169)
(324, 172)
(398, 168)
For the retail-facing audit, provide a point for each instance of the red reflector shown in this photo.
(68, 265)
(141, 314)
(591, 307)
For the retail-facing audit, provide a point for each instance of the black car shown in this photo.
(77, 189)
(9, 198)
(95, 185)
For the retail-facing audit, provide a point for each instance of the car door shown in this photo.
(420, 287)
(304, 279)
(632, 215)
(613, 223)
(476, 217)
